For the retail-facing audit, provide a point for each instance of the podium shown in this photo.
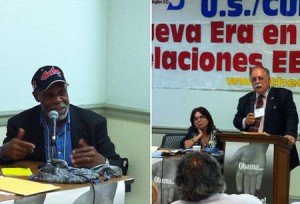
(271, 169)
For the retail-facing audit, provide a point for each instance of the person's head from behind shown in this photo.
(260, 79)
(50, 90)
(201, 119)
(199, 176)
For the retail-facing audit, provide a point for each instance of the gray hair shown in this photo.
(199, 176)
(259, 67)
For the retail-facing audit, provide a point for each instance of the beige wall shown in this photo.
(294, 181)
(132, 140)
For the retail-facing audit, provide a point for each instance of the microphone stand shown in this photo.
(53, 140)
(53, 115)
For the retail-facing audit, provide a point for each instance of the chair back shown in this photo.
(172, 140)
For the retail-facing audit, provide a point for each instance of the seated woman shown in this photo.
(202, 131)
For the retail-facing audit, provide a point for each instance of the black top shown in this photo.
(214, 140)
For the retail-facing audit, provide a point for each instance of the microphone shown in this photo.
(53, 115)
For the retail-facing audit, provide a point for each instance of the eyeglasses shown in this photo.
(201, 117)
(254, 79)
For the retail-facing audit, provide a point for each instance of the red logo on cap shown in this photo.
(51, 72)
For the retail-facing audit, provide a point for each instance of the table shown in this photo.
(114, 189)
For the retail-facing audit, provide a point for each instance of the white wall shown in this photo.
(172, 107)
(128, 84)
(70, 34)
(128, 49)
(103, 48)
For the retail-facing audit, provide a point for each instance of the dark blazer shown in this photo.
(85, 124)
(281, 116)
(192, 131)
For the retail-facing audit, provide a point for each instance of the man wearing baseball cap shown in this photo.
(81, 136)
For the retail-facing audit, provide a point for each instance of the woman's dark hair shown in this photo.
(199, 176)
(204, 112)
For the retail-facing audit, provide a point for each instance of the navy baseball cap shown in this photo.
(45, 76)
